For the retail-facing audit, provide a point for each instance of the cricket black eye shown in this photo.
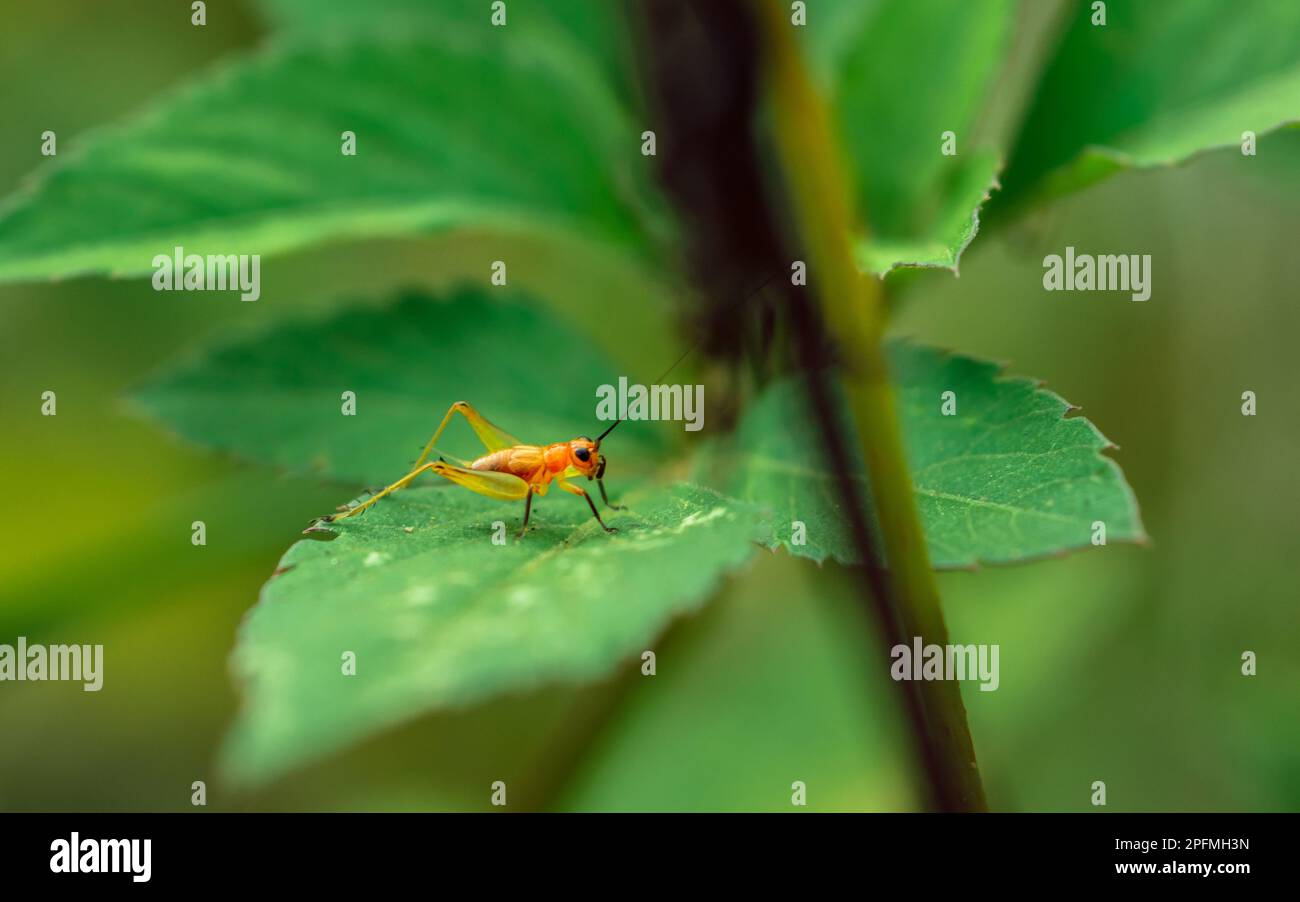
(582, 454)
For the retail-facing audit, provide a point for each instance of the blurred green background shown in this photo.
(1119, 664)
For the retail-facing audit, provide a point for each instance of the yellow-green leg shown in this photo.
(401, 483)
(492, 437)
(502, 486)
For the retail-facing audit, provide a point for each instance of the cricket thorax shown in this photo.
(557, 457)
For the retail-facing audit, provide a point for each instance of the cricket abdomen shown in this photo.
(523, 461)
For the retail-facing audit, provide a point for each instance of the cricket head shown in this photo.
(587, 456)
(584, 455)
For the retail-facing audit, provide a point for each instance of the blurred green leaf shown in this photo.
(951, 224)
(908, 73)
(330, 17)
(438, 615)
(783, 662)
(594, 27)
(276, 398)
(499, 132)
(1007, 478)
(1156, 84)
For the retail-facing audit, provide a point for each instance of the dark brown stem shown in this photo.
(707, 66)
(814, 184)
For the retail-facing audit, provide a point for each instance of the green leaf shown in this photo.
(276, 398)
(332, 17)
(708, 699)
(1008, 478)
(437, 615)
(498, 132)
(910, 72)
(949, 227)
(594, 27)
(1158, 83)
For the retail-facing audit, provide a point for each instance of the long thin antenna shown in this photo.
(691, 350)
(607, 432)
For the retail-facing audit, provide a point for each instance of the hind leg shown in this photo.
(400, 484)
(503, 486)
(493, 437)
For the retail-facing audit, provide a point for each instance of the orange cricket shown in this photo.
(511, 469)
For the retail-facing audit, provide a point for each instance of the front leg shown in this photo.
(605, 498)
(600, 481)
(578, 490)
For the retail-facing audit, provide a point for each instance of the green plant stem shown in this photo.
(851, 304)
